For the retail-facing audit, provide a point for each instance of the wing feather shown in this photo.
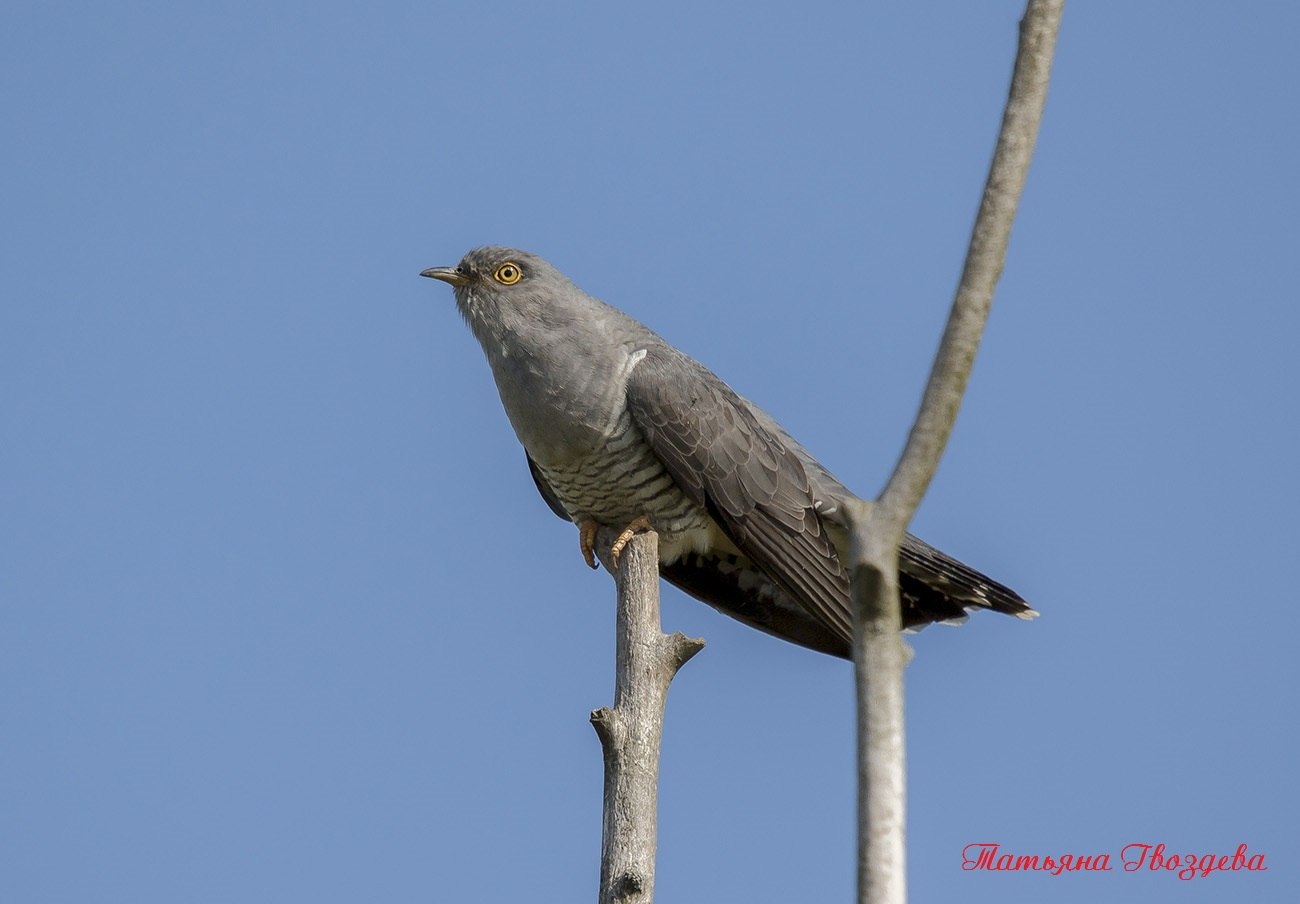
(752, 483)
(548, 494)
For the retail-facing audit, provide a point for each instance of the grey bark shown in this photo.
(879, 654)
(630, 732)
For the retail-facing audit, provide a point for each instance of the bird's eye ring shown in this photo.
(508, 273)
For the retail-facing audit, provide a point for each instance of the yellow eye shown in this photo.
(508, 273)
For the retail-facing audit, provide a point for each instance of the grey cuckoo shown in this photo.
(624, 431)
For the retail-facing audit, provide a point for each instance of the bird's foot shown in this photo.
(641, 522)
(587, 541)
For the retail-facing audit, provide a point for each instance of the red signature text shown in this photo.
(987, 857)
(1189, 866)
(990, 857)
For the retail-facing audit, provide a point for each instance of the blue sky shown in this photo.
(281, 615)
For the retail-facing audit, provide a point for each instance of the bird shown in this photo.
(621, 430)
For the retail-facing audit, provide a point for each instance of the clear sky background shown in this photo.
(282, 616)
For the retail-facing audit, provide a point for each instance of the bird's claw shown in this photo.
(587, 541)
(641, 522)
(587, 529)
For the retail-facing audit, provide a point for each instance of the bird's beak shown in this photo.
(447, 275)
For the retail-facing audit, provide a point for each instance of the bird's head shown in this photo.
(495, 284)
(504, 291)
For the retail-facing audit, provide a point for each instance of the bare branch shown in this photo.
(630, 733)
(984, 259)
(878, 651)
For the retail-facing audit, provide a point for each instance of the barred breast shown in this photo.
(621, 480)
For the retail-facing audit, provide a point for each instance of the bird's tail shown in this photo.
(935, 587)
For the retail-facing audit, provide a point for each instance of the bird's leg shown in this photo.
(587, 540)
(640, 522)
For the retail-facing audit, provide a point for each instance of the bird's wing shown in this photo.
(545, 489)
(753, 485)
(932, 585)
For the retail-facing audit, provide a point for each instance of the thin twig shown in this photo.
(878, 651)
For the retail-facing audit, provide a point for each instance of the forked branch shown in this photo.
(878, 651)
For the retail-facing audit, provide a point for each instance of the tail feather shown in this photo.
(936, 587)
(933, 587)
